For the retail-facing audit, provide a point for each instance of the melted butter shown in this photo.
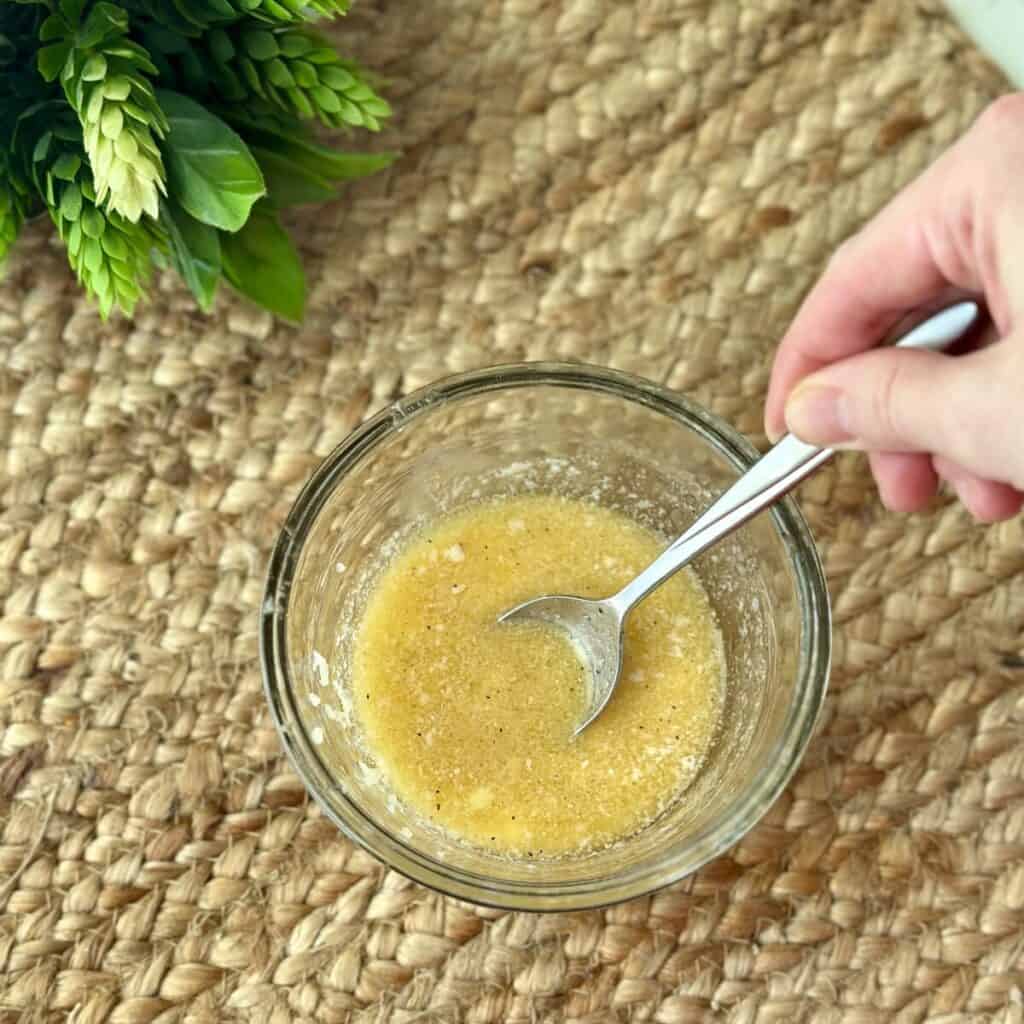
(471, 722)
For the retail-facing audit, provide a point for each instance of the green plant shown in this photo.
(172, 132)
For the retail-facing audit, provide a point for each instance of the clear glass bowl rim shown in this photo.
(536, 894)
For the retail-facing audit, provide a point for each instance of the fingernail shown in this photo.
(817, 415)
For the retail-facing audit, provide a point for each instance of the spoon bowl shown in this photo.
(595, 630)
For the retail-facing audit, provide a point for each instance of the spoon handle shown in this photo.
(776, 472)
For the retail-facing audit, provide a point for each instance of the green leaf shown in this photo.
(93, 223)
(377, 107)
(118, 88)
(302, 105)
(66, 167)
(360, 93)
(290, 184)
(315, 159)
(279, 75)
(220, 46)
(209, 168)
(75, 239)
(305, 75)
(195, 249)
(252, 75)
(133, 53)
(337, 78)
(350, 113)
(261, 262)
(72, 10)
(350, 166)
(260, 45)
(114, 245)
(327, 100)
(226, 10)
(51, 60)
(112, 121)
(92, 255)
(95, 68)
(276, 11)
(42, 147)
(324, 55)
(52, 28)
(295, 44)
(71, 203)
(104, 20)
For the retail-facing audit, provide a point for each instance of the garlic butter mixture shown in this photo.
(471, 722)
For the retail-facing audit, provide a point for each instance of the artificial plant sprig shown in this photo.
(297, 72)
(170, 132)
(193, 17)
(111, 255)
(291, 70)
(107, 80)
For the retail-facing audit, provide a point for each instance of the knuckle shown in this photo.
(841, 253)
(999, 137)
(886, 405)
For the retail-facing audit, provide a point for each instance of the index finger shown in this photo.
(908, 254)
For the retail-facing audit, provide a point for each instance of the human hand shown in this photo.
(922, 416)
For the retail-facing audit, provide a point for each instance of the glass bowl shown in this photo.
(582, 432)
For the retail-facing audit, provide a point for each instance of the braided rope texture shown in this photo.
(650, 185)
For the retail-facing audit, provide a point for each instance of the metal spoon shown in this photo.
(596, 627)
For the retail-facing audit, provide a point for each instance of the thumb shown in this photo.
(901, 400)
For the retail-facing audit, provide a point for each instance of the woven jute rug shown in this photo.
(649, 185)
